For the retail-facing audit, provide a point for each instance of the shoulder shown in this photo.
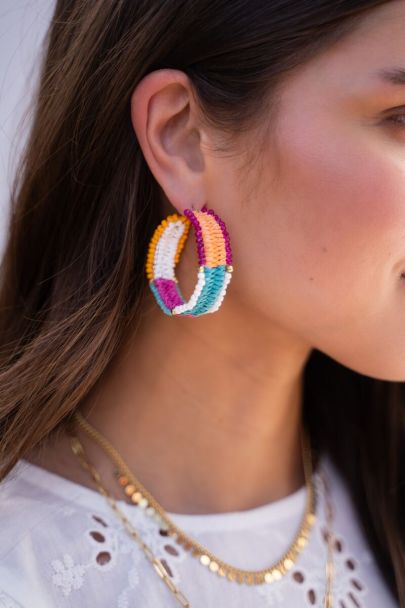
(43, 512)
(24, 508)
(55, 541)
(31, 519)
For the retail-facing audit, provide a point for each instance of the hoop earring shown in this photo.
(214, 258)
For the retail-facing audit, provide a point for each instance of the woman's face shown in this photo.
(319, 242)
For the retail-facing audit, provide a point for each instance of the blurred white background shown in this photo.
(22, 27)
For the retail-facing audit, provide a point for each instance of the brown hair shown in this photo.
(84, 206)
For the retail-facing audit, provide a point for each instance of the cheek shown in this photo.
(322, 256)
(325, 245)
(341, 208)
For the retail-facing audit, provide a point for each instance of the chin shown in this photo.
(383, 371)
(375, 363)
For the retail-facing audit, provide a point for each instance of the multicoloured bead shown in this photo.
(214, 258)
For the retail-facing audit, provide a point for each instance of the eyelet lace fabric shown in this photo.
(61, 545)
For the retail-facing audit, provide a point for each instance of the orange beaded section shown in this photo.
(214, 243)
(155, 239)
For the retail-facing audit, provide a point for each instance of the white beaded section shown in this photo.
(194, 297)
(221, 295)
(165, 252)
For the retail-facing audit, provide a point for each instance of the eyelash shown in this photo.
(393, 118)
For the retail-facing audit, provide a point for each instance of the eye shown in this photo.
(395, 116)
(397, 119)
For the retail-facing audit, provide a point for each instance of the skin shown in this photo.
(207, 411)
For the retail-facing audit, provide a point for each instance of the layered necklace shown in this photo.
(135, 491)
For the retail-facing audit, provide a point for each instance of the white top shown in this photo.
(61, 544)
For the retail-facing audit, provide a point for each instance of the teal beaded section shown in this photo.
(156, 293)
(214, 281)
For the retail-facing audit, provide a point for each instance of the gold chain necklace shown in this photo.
(141, 497)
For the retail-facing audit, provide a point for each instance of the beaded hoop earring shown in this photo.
(214, 258)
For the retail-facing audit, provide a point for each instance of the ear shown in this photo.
(165, 119)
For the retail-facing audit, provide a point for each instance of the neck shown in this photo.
(206, 412)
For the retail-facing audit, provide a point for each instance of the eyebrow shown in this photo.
(392, 75)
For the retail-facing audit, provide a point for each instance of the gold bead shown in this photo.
(129, 489)
(205, 560)
(329, 568)
(136, 497)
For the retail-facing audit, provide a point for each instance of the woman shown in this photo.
(237, 443)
